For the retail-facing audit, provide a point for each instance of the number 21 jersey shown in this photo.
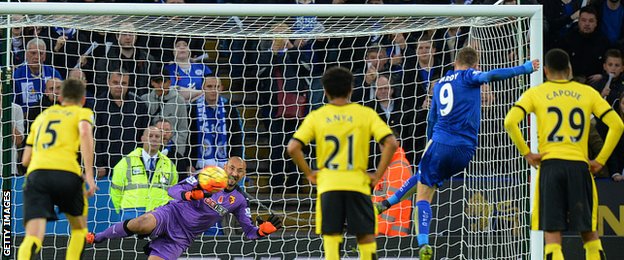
(456, 108)
(342, 135)
(55, 139)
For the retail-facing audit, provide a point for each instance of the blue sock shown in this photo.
(424, 219)
(407, 186)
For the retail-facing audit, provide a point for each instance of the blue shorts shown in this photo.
(441, 161)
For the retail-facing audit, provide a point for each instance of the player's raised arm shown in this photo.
(505, 73)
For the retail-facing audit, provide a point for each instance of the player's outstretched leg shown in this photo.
(406, 191)
(142, 225)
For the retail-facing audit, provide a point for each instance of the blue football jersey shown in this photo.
(29, 88)
(193, 78)
(456, 108)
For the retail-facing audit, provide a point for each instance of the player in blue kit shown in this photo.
(453, 127)
(173, 227)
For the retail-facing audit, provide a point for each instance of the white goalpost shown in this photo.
(268, 60)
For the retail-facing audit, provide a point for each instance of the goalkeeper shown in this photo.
(173, 227)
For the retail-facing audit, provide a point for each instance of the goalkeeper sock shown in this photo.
(118, 230)
(76, 244)
(553, 252)
(368, 251)
(29, 247)
(593, 250)
(331, 244)
(424, 218)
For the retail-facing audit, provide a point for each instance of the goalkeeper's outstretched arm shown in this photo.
(187, 189)
(264, 228)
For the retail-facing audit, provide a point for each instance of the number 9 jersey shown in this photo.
(563, 109)
(55, 138)
(455, 111)
(342, 135)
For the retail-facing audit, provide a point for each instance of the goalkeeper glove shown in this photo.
(195, 194)
(272, 224)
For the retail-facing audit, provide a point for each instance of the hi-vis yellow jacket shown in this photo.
(131, 188)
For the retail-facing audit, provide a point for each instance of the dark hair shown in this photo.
(73, 90)
(337, 82)
(163, 76)
(557, 60)
(590, 10)
(161, 119)
(613, 53)
(467, 56)
(121, 71)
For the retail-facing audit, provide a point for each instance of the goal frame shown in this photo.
(534, 12)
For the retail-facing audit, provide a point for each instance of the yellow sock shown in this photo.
(31, 245)
(331, 244)
(368, 251)
(76, 244)
(553, 252)
(593, 250)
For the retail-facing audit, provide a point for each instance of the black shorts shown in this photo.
(337, 208)
(46, 188)
(566, 197)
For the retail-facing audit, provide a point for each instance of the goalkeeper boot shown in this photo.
(90, 238)
(425, 253)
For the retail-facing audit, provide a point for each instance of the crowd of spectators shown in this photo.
(137, 81)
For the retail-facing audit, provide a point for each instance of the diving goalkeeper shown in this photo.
(173, 227)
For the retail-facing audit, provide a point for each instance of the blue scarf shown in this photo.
(213, 132)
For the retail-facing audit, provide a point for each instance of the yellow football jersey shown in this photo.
(55, 138)
(342, 135)
(563, 109)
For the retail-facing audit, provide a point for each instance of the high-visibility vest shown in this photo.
(396, 220)
(130, 185)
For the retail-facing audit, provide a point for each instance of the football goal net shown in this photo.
(237, 80)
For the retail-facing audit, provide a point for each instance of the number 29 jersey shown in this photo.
(342, 135)
(563, 109)
(55, 138)
(456, 108)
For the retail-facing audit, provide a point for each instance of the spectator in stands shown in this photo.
(391, 111)
(586, 46)
(30, 78)
(616, 161)
(141, 179)
(611, 16)
(396, 221)
(165, 102)
(133, 60)
(118, 117)
(216, 128)
(17, 134)
(611, 83)
(78, 73)
(389, 108)
(170, 149)
(65, 48)
(186, 75)
(376, 63)
(560, 17)
(51, 95)
(416, 90)
(286, 104)
(17, 46)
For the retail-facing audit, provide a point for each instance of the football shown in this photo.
(212, 179)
